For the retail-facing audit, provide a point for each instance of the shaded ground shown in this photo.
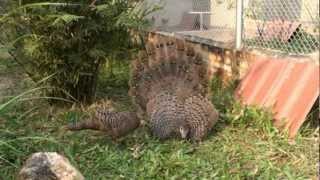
(243, 145)
(12, 78)
(6, 83)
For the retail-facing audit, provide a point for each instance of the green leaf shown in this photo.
(65, 19)
(4, 50)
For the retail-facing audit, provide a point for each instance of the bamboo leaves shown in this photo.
(71, 40)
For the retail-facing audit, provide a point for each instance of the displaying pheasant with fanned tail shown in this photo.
(169, 82)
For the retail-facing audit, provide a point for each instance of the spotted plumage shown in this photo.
(114, 124)
(169, 83)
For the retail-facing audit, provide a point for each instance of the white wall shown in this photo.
(223, 14)
(172, 12)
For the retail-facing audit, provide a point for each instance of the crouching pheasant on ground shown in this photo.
(169, 83)
(114, 124)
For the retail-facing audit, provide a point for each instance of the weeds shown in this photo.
(243, 144)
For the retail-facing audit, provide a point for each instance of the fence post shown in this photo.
(239, 19)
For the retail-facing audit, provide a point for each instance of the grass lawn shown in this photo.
(243, 144)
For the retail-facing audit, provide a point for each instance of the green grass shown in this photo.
(243, 144)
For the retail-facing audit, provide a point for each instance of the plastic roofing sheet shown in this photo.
(287, 86)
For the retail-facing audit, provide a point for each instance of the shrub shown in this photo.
(70, 42)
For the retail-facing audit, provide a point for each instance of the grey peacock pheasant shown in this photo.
(114, 124)
(169, 82)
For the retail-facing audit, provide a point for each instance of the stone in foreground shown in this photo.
(48, 166)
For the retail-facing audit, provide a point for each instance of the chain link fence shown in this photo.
(289, 26)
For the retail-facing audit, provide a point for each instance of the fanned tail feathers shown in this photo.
(170, 83)
(167, 65)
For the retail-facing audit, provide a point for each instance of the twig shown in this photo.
(93, 3)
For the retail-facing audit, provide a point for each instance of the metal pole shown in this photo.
(239, 18)
(201, 21)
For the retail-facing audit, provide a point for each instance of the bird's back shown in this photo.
(115, 124)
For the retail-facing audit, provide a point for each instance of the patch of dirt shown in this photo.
(6, 86)
(12, 77)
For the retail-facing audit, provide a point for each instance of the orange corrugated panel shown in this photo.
(287, 86)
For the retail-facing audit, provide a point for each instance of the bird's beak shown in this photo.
(183, 133)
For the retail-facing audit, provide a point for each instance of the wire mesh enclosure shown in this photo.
(289, 26)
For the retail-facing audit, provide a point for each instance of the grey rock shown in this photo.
(48, 166)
